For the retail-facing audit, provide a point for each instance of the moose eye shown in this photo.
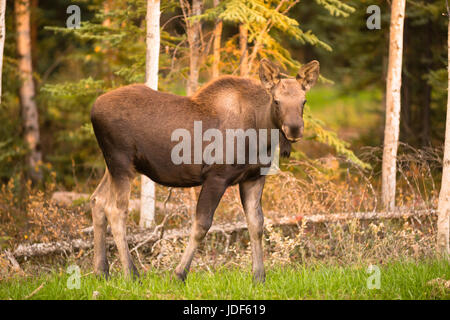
(277, 102)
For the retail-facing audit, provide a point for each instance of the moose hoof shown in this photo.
(181, 275)
(102, 274)
(102, 270)
(133, 273)
(259, 277)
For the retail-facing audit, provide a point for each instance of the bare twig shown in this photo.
(140, 261)
(35, 291)
(159, 227)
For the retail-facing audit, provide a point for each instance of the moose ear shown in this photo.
(308, 74)
(269, 73)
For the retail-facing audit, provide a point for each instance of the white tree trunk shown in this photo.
(444, 195)
(2, 40)
(393, 85)
(151, 80)
(27, 90)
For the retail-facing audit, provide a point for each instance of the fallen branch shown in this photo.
(318, 218)
(15, 265)
(43, 249)
(66, 198)
(140, 239)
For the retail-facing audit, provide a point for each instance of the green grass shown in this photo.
(399, 280)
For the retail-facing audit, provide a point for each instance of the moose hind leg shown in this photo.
(250, 192)
(117, 212)
(98, 201)
(210, 195)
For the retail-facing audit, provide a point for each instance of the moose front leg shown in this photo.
(209, 198)
(251, 192)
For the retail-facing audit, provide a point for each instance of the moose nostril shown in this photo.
(294, 130)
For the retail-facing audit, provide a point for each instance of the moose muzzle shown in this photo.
(293, 132)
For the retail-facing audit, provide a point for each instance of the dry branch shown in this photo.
(15, 265)
(318, 218)
(141, 238)
(66, 198)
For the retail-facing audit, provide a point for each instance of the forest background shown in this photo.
(345, 112)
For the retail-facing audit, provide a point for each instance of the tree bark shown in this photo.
(2, 40)
(442, 245)
(243, 40)
(151, 79)
(27, 91)
(193, 33)
(216, 45)
(393, 96)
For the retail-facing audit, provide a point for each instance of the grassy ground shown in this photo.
(398, 280)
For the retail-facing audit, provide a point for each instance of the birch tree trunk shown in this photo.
(393, 96)
(444, 195)
(2, 40)
(151, 79)
(243, 39)
(216, 45)
(27, 91)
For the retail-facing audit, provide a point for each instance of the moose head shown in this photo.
(288, 96)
